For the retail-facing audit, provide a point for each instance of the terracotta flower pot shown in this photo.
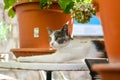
(33, 23)
(31, 17)
(110, 19)
(108, 71)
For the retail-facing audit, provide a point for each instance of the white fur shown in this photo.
(74, 52)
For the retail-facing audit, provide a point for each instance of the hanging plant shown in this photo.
(82, 12)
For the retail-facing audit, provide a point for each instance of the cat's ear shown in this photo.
(65, 29)
(50, 31)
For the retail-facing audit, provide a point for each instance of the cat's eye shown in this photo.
(58, 38)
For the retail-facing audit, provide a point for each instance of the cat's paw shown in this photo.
(21, 59)
(27, 59)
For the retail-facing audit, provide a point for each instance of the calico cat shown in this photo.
(68, 50)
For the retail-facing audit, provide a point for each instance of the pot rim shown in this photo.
(37, 1)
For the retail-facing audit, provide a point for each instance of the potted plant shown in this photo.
(110, 17)
(42, 14)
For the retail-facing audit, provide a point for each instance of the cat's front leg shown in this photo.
(43, 58)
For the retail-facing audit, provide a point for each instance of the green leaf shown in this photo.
(87, 1)
(11, 13)
(45, 3)
(64, 3)
(68, 7)
(78, 0)
(6, 4)
(12, 2)
(9, 3)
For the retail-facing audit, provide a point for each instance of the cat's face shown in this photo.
(59, 38)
